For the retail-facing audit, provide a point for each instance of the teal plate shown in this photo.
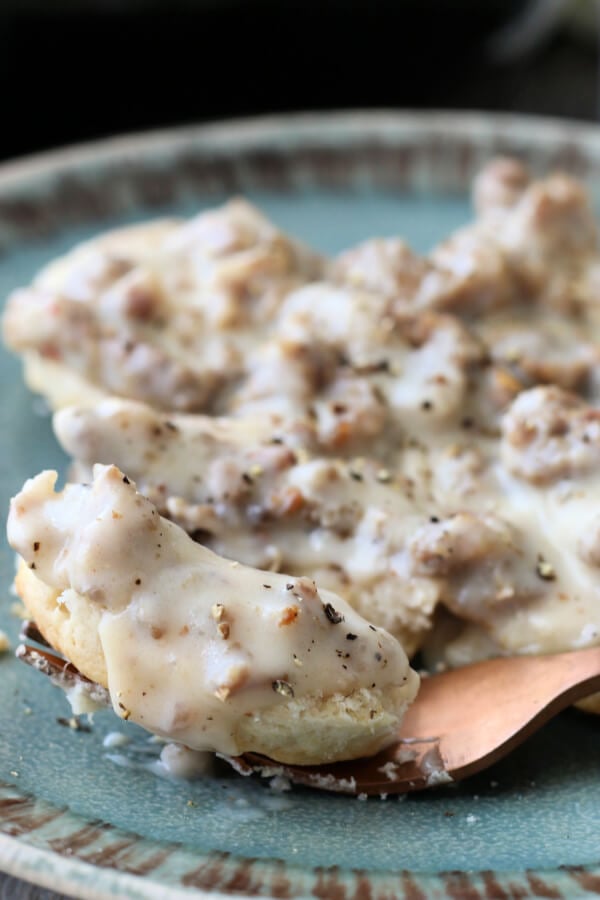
(96, 822)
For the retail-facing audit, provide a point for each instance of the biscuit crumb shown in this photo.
(17, 609)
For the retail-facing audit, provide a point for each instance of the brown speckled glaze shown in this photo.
(175, 869)
(431, 152)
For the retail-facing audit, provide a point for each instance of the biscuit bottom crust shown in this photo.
(308, 731)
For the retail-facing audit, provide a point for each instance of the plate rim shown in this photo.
(319, 126)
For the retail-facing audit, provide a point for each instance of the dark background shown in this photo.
(72, 71)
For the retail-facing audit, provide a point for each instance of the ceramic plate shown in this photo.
(95, 822)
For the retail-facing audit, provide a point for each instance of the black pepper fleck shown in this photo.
(126, 480)
(74, 724)
(351, 637)
(332, 614)
(283, 687)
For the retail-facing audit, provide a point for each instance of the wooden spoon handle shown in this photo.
(502, 702)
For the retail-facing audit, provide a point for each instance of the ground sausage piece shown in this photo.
(446, 547)
(549, 434)
(499, 185)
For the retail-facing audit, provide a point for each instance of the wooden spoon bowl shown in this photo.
(462, 721)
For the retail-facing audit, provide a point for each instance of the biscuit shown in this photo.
(195, 648)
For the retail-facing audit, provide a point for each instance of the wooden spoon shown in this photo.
(462, 721)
